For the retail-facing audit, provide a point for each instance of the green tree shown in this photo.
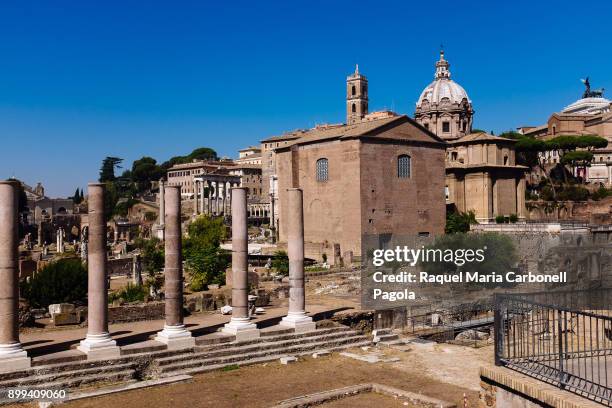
(567, 146)
(62, 281)
(280, 263)
(201, 153)
(144, 171)
(107, 171)
(152, 253)
(205, 260)
(459, 221)
(77, 198)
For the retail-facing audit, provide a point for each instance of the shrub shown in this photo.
(62, 281)
(131, 293)
(280, 263)
(324, 257)
(601, 193)
(205, 260)
(152, 254)
(573, 193)
(513, 218)
(500, 219)
(459, 221)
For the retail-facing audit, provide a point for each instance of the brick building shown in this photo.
(383, 174)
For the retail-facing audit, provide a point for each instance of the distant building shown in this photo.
(249, 155)
(589, 115)
(206, 185)
(482, 176)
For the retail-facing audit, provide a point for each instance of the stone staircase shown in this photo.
(210, 354)
(267, 348)
(386, 337)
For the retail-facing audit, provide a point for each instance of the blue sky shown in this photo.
(83, 80)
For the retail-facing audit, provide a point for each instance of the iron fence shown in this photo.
(562, 338)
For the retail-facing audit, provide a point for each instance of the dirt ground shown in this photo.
(369, 400)
(266, 384)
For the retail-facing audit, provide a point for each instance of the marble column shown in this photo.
(296, 317)
(208, 202)
(174, 334)
(98, 343)
(229, 198)
(195, 198)
(162, 209)
(12, 355)
(201, 196)
(240, 324)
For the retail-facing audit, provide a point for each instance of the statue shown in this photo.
(588, 93)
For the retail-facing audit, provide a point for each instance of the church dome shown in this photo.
(442, 89)
(444, 107)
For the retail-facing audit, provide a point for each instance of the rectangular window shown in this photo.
(445, 127)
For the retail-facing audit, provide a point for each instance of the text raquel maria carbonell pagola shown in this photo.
(460, 277)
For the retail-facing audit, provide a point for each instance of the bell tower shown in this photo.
(356, 97)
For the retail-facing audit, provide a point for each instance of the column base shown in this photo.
(176, 337)
(13, 358)
(242, 328)
(99, 347)
(298, 321)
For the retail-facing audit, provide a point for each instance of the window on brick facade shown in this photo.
(445, 127)
(322, 170)
(403, 166)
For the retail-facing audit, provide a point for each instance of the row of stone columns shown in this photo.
(219, 197)
(240, 324)
(98, 343)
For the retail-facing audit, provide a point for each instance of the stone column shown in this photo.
(12, 355)
(240, 324)
(201, 196)
(137, 270)
(174, 334)
(195, 198)
(296, 317)
(229, 207)
(216, 201)
(162, 209)
(208, 205)
(520, 199)
(98, 344)
(40, 234)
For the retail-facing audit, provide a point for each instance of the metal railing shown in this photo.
(562, 338)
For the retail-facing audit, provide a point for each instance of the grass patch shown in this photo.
(230, 367)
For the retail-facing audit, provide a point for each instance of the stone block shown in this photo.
(288, 360)
(61, 308)
(321, 353)
(60, 319)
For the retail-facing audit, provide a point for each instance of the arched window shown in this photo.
(354, 108)
(322, 170)
(353, 90)
(403, 166)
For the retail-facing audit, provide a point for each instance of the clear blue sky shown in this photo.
(82, 80)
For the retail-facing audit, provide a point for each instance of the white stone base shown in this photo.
(176, 337)
(298, 321)
(242, 328)
(99, 347)
(13, 358)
